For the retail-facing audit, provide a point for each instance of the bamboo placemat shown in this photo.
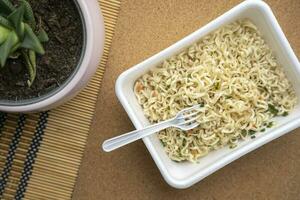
(40, 153)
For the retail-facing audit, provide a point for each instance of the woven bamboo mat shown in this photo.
(40, 153)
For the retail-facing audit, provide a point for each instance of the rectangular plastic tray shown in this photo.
(183, 175)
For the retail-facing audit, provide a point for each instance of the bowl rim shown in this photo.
(199, 175)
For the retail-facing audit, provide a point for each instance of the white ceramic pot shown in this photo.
(93, 49)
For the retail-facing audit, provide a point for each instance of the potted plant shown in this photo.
(49, 49)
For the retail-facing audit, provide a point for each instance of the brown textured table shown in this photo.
(144, 28)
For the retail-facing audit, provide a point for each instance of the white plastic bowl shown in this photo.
(183, 175)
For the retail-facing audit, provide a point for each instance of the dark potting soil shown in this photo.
(62, 22)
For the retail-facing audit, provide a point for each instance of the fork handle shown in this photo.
(121, 140)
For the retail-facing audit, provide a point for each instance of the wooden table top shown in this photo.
(144, 28)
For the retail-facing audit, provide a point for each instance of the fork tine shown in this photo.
(189, 115)
(191, 108)
(188, 121)
(191, 126)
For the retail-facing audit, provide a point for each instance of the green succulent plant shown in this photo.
(20, 35)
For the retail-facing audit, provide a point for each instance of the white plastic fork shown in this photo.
(184, 120)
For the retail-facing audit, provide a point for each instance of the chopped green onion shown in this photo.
(163, 143)
(270, 124)
(244, 133)
(217, 85)
(285, 113)
(251, 132)
(272, 109)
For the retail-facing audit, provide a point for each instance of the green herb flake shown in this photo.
(264, 88)
(263, 130)
(285, 113)
(253, 136)
(265, 124)
(272, 109)
(163, 143)
(244, 133)
(251, 132)
(270, 124)
(217, 85)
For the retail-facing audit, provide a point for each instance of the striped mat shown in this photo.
(40, 153)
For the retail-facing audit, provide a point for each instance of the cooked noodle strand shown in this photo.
(234, 74)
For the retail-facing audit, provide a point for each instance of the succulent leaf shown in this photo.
(30, 60)
(5, 48)
(4, 22)
(4, 32)
(28, 15)
(43, 36)
(16, 18)
(31, 41)
(6, 7)
(15, 55)
(20, 35)
(16, 47)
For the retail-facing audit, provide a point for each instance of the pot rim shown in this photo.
(75, 77)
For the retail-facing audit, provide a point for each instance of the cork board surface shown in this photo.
(144, 28)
